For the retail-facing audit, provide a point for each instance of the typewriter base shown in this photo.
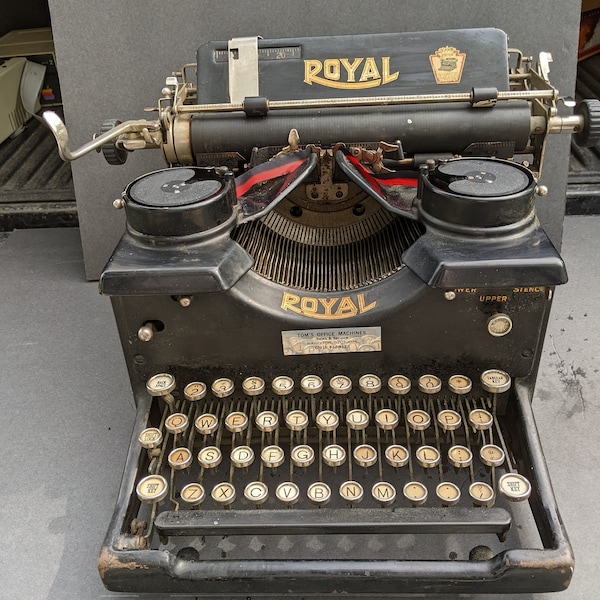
(521, 570)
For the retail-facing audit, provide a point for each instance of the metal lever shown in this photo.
(59, 130)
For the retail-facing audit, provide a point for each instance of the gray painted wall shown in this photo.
(113, 57)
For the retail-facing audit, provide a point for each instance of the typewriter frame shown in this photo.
(519, 570)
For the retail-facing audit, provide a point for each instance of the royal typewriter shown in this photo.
(332, 305)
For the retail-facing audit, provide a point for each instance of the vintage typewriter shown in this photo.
(332, 306)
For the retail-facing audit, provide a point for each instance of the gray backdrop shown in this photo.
(113, 57)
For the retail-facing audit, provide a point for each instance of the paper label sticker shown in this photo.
(331, 341)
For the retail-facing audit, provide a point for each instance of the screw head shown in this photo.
(541, 190)
(145, 333)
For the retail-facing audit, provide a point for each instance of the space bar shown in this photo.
(333, 520)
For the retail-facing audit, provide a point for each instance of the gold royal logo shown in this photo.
(447, 64)
(335, 307)
(346, 74)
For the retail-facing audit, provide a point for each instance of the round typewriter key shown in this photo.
(272, 456)
(482, 494)
(180, 458)
(267, 421)
(396, 456)
(222, 387)
(223, 493)
(193, 494)
(418, 420)
(288, 493)
(327, 420)
(194, 391)
(499, 325)
(311, 384)
(253, 386)
(236, 422)
(495, 381)
(449, 420)
(365, 455)
(161, 384)
(206, 424)
(369, 384)
(430, 384)
(460, 384)
(242, 456)
(334, 455)
(387, 419)
(351, 492)
(340, 384)
(357, 419)
(428, 456)
(384, 493)
(152, 488)
(302, 456)
(176, 423)
(399, 384)
(481, 419)
(415, 492)
(491, 455)
(514, 486)
(296, 420)
(282, 385)
(150, 438)
(448, 493)
(210, 457)
(256, 492)
(319, 493)
(460, 456)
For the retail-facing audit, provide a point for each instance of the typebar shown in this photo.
(332, 521)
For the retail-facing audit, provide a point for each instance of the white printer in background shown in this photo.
(28, 78)
(20, 84)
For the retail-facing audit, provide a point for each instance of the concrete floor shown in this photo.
(67, 414)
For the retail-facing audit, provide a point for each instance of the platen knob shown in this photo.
(589, 136)
(113, 154)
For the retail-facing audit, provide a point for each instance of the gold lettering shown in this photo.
(387, 76)
(370, 70)
(308, 305)
(331, 69)
(311, 69)
(289, 302)
(328, 304)
(361, 304)
(328, 73)
(323, 307)
(347, 308)
(493, 298)
(352, 66)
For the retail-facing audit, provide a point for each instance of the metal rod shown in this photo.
(59, 131)
(367, 101)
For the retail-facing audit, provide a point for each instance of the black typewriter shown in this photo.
(332, 306)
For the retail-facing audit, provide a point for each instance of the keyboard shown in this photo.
(333, 455)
